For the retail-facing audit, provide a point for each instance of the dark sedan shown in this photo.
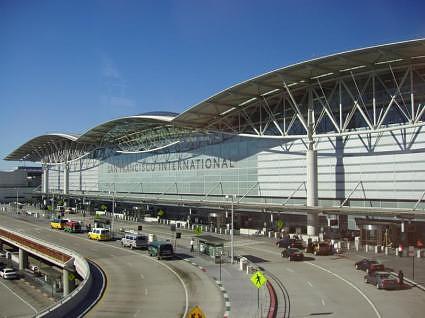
(293, 254)
(382, 280)
(369, 265)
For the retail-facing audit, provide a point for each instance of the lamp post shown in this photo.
(233, 196)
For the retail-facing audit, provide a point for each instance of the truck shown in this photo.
(72, 227)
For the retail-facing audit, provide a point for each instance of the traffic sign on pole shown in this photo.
(258, 279)
(196, 312)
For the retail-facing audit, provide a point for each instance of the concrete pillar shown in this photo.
(66, 178)
(45, 178)
(23, 259)
(311, 165)
(65, 282)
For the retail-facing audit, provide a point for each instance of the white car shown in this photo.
(8, 273)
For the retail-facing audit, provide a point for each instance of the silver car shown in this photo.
(8, 273)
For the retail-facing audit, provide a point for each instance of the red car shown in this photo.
(293, 254)
(369, 265)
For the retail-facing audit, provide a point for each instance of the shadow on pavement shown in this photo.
(255, 259)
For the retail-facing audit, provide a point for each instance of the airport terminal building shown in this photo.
(341, 134)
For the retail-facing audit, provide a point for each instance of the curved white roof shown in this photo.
(299, 75)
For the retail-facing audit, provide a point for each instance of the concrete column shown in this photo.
(65, 282)
(66, 178)
(23, 259)
(45, 178)
(311, 165)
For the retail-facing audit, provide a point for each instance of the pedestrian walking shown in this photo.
(191, 245)
(400, 277)
(400, 250)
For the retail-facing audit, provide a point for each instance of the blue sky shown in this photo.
(66, 66)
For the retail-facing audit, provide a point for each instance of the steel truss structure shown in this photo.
(359, 92)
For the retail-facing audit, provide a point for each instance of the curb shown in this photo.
(227, 303)
(411, 282)
(273, 301)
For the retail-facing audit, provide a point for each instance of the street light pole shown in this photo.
(232, 252)
(113, 212)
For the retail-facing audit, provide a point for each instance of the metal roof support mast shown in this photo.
(311, 164)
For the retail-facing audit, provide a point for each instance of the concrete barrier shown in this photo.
(68, 304)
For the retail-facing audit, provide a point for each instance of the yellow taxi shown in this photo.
(99, 234)
(58, 224)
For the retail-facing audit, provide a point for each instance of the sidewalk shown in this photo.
(241, 293)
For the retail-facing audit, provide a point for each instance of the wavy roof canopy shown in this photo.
(254, 107)
(39, 147)
(297, 76)
(110, 131)
(129, 131)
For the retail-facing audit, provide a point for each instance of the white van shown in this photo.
(134, 241)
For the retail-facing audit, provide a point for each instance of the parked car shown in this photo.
(382, 280)
(134, 241)
(8, 273)
(293, 254)
(369, 265)
(322, 248)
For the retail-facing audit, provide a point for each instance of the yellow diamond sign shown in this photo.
(196, 312)
(258, 279)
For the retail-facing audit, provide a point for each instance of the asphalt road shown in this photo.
(137, 285)
(320, 286)
(323, 285)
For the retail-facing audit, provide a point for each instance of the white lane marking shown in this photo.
(289, 269)
(20, 298)
(310, 284)
(137, 312)
(323, 302)
(142, 276)
(146, 291)
(350, 284)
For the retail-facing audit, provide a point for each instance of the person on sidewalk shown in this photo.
(400, 250)
(191, 245)
(400, 277)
